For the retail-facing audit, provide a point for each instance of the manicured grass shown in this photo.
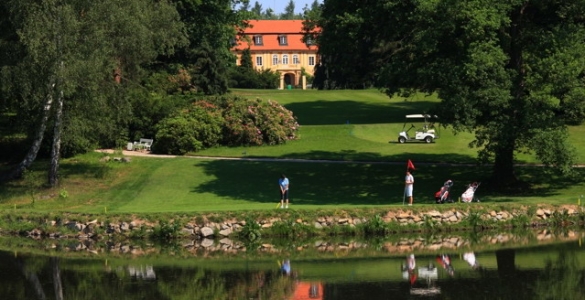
(372, 175)
(360, 125)
(152, 185)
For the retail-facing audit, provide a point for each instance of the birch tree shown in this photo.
(70, 51)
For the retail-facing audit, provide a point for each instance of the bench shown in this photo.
(143, 144)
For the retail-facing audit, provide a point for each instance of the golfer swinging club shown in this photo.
(283, 183)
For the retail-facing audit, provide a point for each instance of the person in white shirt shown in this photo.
(408, 186)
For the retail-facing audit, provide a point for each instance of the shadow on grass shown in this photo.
(324, 112)
(35, 178)
(355, 156)
(362, 183)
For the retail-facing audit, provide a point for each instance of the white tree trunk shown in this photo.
(36, 145)
(56, 147)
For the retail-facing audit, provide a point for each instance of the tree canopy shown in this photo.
(70, 53)
(511, 72)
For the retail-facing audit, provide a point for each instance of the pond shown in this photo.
(528, 265)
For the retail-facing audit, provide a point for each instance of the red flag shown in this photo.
(410, 165)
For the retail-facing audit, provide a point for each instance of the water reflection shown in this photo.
(509, 271)
(469, 257)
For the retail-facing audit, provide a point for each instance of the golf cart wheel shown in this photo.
(402, 140)
(428, 139)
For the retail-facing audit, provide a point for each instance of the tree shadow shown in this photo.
(380, 181)
(325, 112)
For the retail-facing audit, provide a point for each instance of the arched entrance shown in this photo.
(289, 79)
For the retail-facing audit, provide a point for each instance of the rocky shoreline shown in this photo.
(407, 220)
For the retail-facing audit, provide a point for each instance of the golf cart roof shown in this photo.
(420, 116)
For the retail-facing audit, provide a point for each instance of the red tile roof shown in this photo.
(270, 30)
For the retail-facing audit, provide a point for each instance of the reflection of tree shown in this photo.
(57, 284)
(204, 284)
(32, 269)
(191, 284)
(561, 279)
(32, 278)
(506, 262)
(260, 285)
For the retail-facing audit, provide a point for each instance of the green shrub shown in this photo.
(290, 228)
(192, 129)
(150, 108)
(229, 121)
(250, 231)
(166, 231)
(252, 79)
(474, 220)
(375, 227)
(256, 122)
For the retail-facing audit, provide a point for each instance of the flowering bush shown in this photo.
(230, 121)
(192, 129)
(256, 122)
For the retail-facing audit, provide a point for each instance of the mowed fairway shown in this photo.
(353, 125)
(347, 156)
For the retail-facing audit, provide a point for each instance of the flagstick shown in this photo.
(404, 190)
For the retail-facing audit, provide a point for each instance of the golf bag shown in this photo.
(469, 194)
(442, 196)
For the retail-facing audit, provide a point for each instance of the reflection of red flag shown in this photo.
(410, 165)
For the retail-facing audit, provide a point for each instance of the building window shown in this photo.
(296, 60)
(311, 60)
(259, 60)
(282, 40)
(274, 60)
(309, 41)
(285, 59)
(258, 40)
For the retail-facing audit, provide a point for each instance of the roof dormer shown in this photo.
(282, 40)
(258, 40)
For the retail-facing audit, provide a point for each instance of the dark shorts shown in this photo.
(284, 196)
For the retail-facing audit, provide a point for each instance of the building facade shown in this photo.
(278, 45)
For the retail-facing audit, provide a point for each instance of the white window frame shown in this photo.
(295, 59)
(282, 40)
(274, 60)
(258, 40)
(259, 60)
(311, 60)
(285, 59)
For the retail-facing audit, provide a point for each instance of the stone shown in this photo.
(226, 241)
(225, 232)
(188, 231)
(206, 243)
(124, 226)
(206, 231)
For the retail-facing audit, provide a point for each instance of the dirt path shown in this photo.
(148, 154)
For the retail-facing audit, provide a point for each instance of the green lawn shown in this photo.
(362, 125)
(372, 174)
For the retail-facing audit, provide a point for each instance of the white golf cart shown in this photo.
(425, 132)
